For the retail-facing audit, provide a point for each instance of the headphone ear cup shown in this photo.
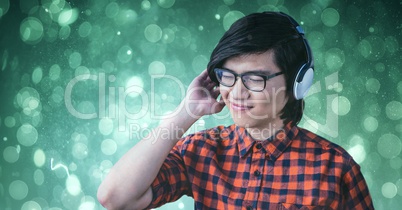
(303, 82)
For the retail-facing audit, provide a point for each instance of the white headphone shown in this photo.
(305, 74)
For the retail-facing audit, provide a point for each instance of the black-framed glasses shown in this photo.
(251, 80)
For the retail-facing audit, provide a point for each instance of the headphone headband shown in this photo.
(304, 76)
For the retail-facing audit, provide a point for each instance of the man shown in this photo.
(264, 68)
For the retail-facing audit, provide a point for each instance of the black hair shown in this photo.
(258, 33)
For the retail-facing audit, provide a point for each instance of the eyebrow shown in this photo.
(266, 72)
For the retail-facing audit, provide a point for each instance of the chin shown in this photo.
(251, 122)
(246, 121)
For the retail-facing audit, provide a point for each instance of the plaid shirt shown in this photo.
(224, 168)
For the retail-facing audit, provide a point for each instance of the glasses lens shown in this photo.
(254, 82)
(225, 77)
(251, 81)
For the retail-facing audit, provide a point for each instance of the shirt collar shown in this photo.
(273, 146)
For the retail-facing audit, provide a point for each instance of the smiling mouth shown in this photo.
(240, 107)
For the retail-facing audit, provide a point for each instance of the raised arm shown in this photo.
(127, 186)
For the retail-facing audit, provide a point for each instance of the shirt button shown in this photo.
(257, 173)
(249, 208)
(259, 146)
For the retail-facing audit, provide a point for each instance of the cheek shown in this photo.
(270, 97)
(277, 93)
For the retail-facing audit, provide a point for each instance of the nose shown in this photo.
(238, 90)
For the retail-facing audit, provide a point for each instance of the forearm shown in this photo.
(133, 174)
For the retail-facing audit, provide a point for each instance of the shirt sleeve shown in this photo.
(171, 182)
(355, 190)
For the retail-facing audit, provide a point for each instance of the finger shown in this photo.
(210, 86)
(204, 74)
(215, 93)
(201, 78)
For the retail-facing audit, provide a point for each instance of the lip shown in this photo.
(239, 107)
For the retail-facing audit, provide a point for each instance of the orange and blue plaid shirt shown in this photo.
(224, 168)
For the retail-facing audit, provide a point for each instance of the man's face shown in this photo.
(255, 109)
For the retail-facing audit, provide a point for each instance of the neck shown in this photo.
(265, 131)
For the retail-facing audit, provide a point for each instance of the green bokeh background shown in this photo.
(82, 82)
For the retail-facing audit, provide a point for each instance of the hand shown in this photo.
(201, 98)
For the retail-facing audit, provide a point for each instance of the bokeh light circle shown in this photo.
(341, 105)
(105, 126)
(31, 30)
(31, 205)
(108, 147)
(125, 54)
(67, 17)
(373, 85)
(80, 150)
(145, 5)
(4, 7)
(230, 18)
(168, 36)
(57, 95)
(316, 39)
(9, 121)
(82, 71)
(358, 153)
(393, 110)
(87, 205)
(330, 17)
(379, 67)
(37, 75)
(310, 14)
(370, 124)
(334, 58)
(18, 190)
(74, 60)
(112, 10)
(11, 154)
(27, 135)
(125, 16)
(39, 158)
(135, 86)
(54, 72)
(156, 68)
(85, 29)
(182, 38)
(389, 190)
(166, 3)
(153, 33)
(358, 147)
(39, 177)
(389, 145)
(25, 95)
(64, 32)
(55, 7)
(73, 185)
